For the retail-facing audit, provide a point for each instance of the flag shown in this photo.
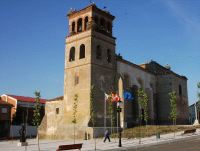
(115, 97)
(106, 96)
(128, 96)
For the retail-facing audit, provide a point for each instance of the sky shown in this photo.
(32, 40)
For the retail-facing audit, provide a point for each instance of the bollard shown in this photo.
(157, 136)
(88, 136)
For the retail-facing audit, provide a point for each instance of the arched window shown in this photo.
(79, 25)
(98, 53)
(96, 19)
(102, 23)
(108, 55)
(109, 27)
(82, 51)
(180, 89)
(126, 81)
(72, 54)
(86, 22)
(73, 26)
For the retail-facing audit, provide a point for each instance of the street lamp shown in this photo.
(119, 109)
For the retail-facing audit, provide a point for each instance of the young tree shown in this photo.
(75, 105)
(111, 112)
(198, 93)
(143, 103)
(36, 114)
(92, 105)
(198, 97)
(93, 109)
(173, 113)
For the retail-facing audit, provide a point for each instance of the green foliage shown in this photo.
(198, 93)
(143, 103)
(152, 130)
(111, 110)
(92, 105)
(75, 105)
(173, 100)
(37, 108)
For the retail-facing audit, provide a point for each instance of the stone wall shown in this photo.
(54, 115)
(165, 85)
(137, 78)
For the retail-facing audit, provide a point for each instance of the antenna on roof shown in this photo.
(91, 2)
(167, 66)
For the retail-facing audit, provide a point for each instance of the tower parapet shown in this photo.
(90, 18)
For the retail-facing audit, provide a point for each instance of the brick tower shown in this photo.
(89, 61)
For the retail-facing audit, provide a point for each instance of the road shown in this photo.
(187, 144)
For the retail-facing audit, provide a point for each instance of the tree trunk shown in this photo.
(95, 143)
(140, 132)
(174, 126)
(74, 133)
(38, 140)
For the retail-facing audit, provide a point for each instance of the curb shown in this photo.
(138, 146)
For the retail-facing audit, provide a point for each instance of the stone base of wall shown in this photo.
(68, 132)
(169, 122)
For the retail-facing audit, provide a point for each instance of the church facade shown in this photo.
(91, 60)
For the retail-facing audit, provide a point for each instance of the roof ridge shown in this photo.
(12, 95)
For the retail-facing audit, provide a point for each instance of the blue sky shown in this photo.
(32, 40)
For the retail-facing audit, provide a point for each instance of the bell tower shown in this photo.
(89, 60)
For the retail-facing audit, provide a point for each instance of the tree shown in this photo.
(92, 106)
(93, 109)
(75, 105)
(111, 112)
(36, 114)
(143, 104)
(173, 113)
(198, 97)
(198, 93)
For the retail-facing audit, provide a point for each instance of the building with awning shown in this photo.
(22, 113)
(5, 119)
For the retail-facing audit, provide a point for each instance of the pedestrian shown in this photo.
(107, 136)
(22, 133)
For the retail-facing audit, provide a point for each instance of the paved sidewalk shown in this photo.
(89, 145)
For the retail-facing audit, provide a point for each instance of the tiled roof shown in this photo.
(27, 99)
(4, 103)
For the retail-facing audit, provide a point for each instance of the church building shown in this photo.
(91, 62)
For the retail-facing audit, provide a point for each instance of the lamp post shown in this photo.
(119, 109)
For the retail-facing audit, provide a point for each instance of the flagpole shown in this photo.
(104, 111)
(117, 124)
